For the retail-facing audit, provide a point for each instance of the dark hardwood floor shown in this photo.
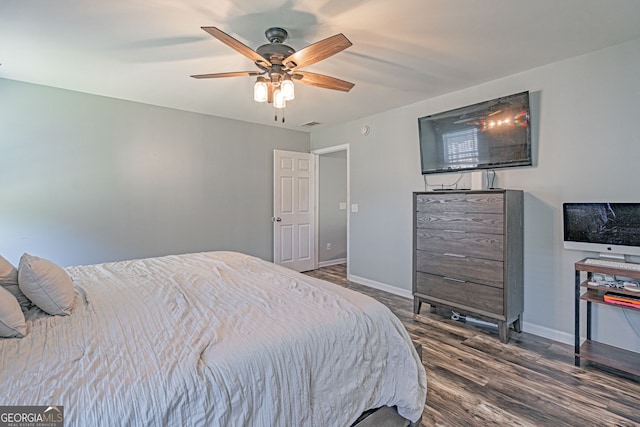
(475, 380)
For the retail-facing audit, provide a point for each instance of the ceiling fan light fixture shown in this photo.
(278, 99)
(260, 90)
(288, 91)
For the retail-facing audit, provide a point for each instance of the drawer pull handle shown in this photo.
(454, 255)
(454, 231)
(454, 280)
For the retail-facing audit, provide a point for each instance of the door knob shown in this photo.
(274, 219)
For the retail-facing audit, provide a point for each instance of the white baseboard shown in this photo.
(381, 286)
(530, 328)
(332, 262)
(552, 334)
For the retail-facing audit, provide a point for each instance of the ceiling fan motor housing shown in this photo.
(275, 51)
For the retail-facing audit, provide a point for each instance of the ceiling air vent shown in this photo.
(310, 124)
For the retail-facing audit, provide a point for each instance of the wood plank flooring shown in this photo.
(475, 380)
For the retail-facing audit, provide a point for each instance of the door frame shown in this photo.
(316, 154)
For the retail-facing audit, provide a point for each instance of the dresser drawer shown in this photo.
(478, 245)
(460, 294)
(467, 222)
(484, 271)
(456, 202)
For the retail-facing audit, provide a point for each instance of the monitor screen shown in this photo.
(488, 135)
(602, 227)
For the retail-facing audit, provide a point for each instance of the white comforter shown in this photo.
(212, 339)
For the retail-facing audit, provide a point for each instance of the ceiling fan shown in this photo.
(280, 64)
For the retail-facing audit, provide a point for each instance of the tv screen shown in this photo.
(488, 135)
(602, 227)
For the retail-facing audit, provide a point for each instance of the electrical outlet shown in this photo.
(328, 246)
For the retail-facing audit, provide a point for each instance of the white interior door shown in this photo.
(294, 210)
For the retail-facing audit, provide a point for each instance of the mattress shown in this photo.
(216, 339)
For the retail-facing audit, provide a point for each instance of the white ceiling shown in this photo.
(403, 51)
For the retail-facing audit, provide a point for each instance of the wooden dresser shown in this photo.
(468, 254)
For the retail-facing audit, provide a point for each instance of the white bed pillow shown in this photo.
(8, 273)
(46, 284)
(9, 280)
(12, 323)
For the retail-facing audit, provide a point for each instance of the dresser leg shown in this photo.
(417, 304)
(517, 324)
(503, 331)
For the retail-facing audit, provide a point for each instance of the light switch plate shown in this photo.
(354, 207)
(342, 206)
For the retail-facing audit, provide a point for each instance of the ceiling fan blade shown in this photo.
(232, 74)
(322, 81)
(317, 52)
(237, 45)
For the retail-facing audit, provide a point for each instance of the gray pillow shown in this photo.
(9, 280)
(8, 273)
(46, 284)
(12, 323)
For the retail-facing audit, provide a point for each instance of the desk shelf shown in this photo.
(596, 294)
(594, 351)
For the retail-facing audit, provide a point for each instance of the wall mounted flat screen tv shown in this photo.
(488, 135)
(608, 228)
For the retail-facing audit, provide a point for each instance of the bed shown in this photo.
(212, 339)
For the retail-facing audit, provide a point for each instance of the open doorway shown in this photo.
(332, 202)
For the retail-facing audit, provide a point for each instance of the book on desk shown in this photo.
(621, 299)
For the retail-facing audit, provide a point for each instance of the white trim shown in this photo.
(333, 149)
(381, 286)
(541, 331)
(552, 334)
(332, 262)
(317, 153)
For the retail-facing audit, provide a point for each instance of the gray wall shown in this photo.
(587, 150)
(332, 222)
(86, 179)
